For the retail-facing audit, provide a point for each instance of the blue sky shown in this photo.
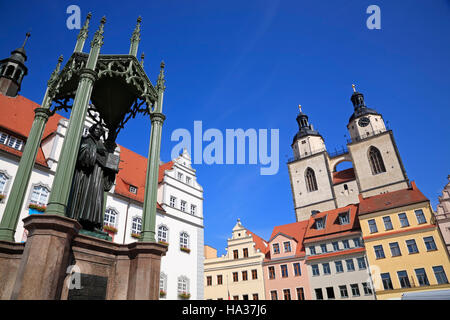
(248, 64)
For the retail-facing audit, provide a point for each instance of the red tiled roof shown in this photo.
(295, 230)
(17, 115)
(260, 243)
(133, 170)
(343, 176)
(391, 200)
(332, 226)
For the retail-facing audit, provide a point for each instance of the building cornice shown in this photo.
(336, 253)
(397, 232)
(299, 257)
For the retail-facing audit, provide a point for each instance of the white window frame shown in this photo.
(33, 190)
(183, 205)
(163, 283)
(133, 189)
(184, 239)
(173, 202)
(108, 213)
(136, 220)
(7, 180)
(193, 209)
(183, 285)
(163, 235)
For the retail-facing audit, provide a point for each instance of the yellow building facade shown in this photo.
(404, 246)
(237, 275)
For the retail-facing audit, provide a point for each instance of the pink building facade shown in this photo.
(285, 272)
(443, 214)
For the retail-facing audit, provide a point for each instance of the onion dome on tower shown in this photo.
(307, 141)
(304, 127)
(359, 106)
(364, 122)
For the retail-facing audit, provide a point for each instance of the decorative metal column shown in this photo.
(82, 36)
(64, 173)
(151, 182)
(11, 215)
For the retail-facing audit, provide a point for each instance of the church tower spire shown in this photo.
(12, 70)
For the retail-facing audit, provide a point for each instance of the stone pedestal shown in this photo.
(10, 256)
(45, 258)
(129, 272)
(57, 262)
(145, 263)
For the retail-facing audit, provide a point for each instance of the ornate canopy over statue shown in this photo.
(112, 89)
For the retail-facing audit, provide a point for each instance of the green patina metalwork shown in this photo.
(16, 197)
(66, 165)
(157, 120)
(118, 88)
(97, 234)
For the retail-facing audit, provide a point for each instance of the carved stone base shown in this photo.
(10, 256)
(45, 258)
(131, 271)
(59, 263)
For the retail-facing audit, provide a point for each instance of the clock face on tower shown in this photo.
(364, 121)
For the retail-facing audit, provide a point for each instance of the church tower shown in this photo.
(376, 167)
(12, 71)
(377, 164)
(309, 171)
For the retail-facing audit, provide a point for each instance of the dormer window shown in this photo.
(11, 141)
(276, 248)
(287, 246)
(320, 223)
(133, 189)
(344, 218)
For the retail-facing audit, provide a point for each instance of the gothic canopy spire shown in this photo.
(135, 38)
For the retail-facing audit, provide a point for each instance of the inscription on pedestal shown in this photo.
(92, 288)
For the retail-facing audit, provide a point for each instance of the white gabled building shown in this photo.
(179, 220)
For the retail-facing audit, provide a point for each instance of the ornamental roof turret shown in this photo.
(305, 128)
(360, 108)
(13, 70)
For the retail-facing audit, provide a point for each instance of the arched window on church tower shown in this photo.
(310, 178)
(9, 71)
(376, 161)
